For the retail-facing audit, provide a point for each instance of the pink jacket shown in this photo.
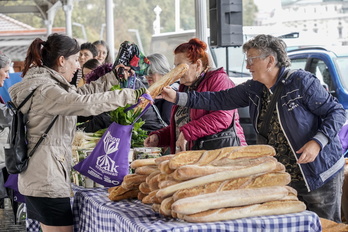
(203, 122)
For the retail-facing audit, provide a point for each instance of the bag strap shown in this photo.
(26, 99)
(159, 115)
(43, 136)
(270, 109)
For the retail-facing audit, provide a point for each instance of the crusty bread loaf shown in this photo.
(231, 198)
(164, 167)
(146, 170)
(156, 207)
(149, 177)
(166, 206)
(151, 198)
(132, 181)
(202, 157)
(175, 74)
(144, 188)
(254, 181)
(167, 182)
(262, 168)
(265, 209)
(163, 158)
(184, 158)
(192, 171)
(133, 193)
(141, 196)
(142, 162)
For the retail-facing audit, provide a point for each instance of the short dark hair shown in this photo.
(89, 46)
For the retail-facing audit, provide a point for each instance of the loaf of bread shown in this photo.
(264, 209)
(175, 74)
(142, 162)
(166, 206)
(133, 193)
(254, 181)
(202, 158)
(231, 198)
(163, 158)
(192, 171)
(164, 167)
(262, 168)
(146, 170)
(144, 188)
(132, 181)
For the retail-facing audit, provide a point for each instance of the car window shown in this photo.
(298, 63)
(343, 70)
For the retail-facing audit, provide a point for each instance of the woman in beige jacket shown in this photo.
(49, 67)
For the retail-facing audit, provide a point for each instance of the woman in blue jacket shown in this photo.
(303, 127)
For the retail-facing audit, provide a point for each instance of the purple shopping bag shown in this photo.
(108, 162)
(12, 183)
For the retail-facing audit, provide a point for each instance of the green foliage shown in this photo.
(130, 14)
(126, 118)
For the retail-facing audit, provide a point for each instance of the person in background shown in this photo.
(49, 67)
(87, 51)
(152, 117)
(159, 66)
(303, 128)
(87, 68)
(188, 125)
(5, 123)
(103, 51)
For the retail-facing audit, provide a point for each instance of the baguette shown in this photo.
(132, 181)
(187, 172)
(166, 206)
(164, 167)
(231, 198)
(175, 74)
(202, 157)
(163, 158)
(133, 193)
(262, 168)
(146, 170)
(254, 181)
(142, 162)
(144, 188)
(265, 209)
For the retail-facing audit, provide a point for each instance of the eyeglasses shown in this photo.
(249, 60)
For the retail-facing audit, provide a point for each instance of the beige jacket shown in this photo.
(49, 167)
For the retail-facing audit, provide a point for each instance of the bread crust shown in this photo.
(254, 181)
(231, 198)
(262, 168)
(265, 209)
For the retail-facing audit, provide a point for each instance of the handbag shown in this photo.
(108, 163)
(263, 132)
(225, 138)
(16, 155)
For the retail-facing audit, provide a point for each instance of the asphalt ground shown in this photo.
(7, 223)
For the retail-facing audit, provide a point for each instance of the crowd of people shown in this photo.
(74, 81)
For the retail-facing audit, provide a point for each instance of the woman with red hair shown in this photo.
(193, 129)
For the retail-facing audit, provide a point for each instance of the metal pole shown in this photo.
(110, 38)
(201, 20)
(68, 24)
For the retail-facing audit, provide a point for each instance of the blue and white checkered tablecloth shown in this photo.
(93, 211)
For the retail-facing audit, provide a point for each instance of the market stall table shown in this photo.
(93, 211)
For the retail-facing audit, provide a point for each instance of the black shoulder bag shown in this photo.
(263, 132)
(16, 155)
(225, 138)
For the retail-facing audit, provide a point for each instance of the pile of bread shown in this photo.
(206, 186)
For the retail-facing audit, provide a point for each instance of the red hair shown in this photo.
(195, 49)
